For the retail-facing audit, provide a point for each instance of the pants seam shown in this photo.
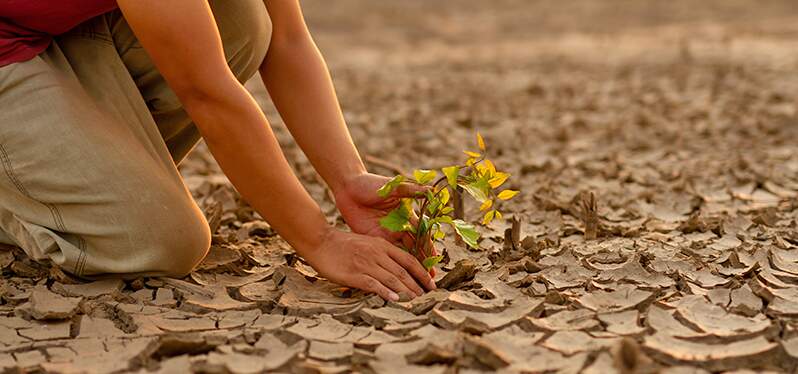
(80, 264)
(55, 213)
(59, 220)
(10, 172)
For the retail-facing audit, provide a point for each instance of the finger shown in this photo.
(369, 284)
(389, 280)
(409, 190)
(410, 264)
(399, 272)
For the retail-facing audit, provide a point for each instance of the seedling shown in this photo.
(425, 216)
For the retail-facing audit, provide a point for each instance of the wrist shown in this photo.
(311, 242)
(345, 180)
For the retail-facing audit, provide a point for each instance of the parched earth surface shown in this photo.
(678, 118)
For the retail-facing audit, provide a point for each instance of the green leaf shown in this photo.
(431, 261)
(445, 219)
(433, 203)
(451, 173)
(430, 195)
(467, 232)
(447, 210)
(391, 185)
(423, 225)
(397, 220)
(432, 207)
(507, 194)
(424, 176)
(478, 189)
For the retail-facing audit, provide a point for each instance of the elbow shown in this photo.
(192, 94)
(211, 104)
(198, 94)
(203, 85)
(294, 45)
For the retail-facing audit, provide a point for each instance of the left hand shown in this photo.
(362, 208)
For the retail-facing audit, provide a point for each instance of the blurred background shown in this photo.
(631, 98)
(380, 32)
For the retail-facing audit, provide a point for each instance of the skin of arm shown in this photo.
(295, 65)
(297, 78)
(183, 41)
(248, 151)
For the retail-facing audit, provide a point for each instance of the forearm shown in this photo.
(183, 41)
(240, 139)
(301, 88)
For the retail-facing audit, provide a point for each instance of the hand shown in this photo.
(362, 208)
(370, 264)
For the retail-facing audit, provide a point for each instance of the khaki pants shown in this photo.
(90, 135)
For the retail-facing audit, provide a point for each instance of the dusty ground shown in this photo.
(679, 116)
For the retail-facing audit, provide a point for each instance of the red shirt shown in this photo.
(27, 26)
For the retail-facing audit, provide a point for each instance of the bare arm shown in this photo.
(183, 41)
(299, 83)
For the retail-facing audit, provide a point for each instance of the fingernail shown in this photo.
(393, 296)
(432, 285)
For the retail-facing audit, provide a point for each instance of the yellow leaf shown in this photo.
(439, 235)
(481, 169)
(451, 173)
(490, 167)
(444, 196)
(480, 141)
(507, 194)
(486, 205)
(471, 161)
(424, 176)
(472, 154)
(498, 179)
(498, 215)
(488, 217)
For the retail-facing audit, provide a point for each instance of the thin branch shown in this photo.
(376, 161)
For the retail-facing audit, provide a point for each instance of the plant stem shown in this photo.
(421, 216)
(425, 203)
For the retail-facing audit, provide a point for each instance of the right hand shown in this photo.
(362, 208)
(369, 263)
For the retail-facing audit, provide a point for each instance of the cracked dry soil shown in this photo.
(679, 118)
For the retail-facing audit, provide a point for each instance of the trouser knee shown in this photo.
(246, 29)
